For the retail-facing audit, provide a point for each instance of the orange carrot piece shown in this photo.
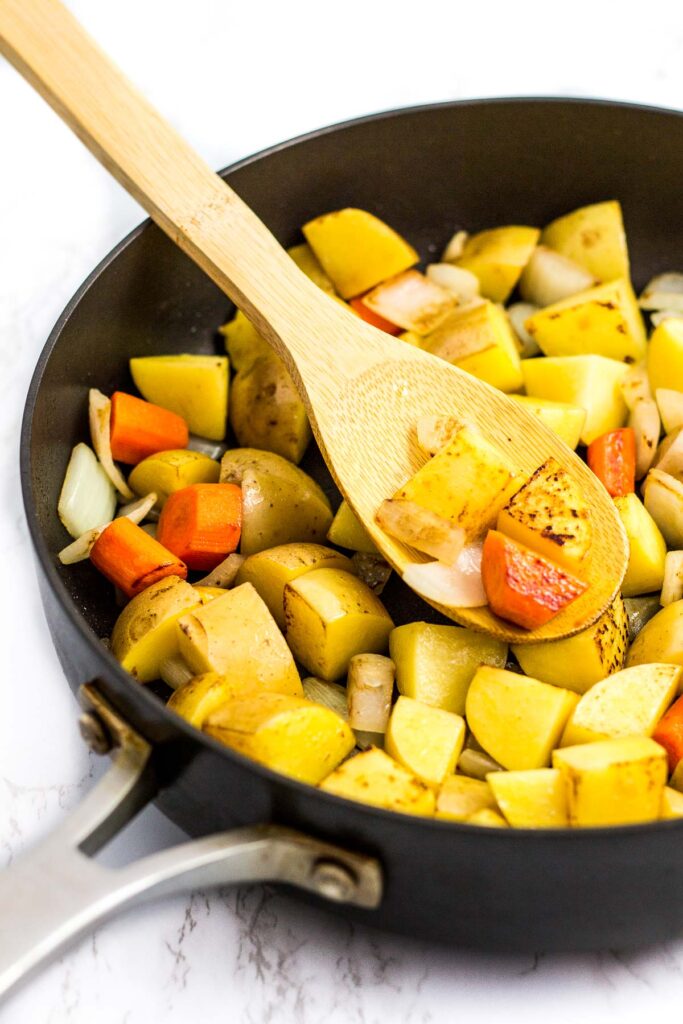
(612, 457)
(202, 523)
(524, 587)
(370, 317)
(139, 429)
(131, 559)
(669, 733)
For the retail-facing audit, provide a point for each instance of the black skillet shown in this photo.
(427, 171)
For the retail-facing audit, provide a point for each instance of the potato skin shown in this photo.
(375, 778)
(145, 632)
(266, 411)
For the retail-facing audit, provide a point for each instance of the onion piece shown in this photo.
(518, 314)
(174, 672)
(99, 411)
(224, 574)
(639, 611)
(214, 449)
(663, 498)
(461, 283)
(411, 301)
(670, 405)
(550, 276)
(433, 432)
(477, 764)
(646, 425)
(138, 510)
(87, 498)
(369, 689)
(669, 456)
(83, 545)
(330, 695)
(454, 586)
(421, 528)
(665, 291)
(635, 385)
(455, 247)
(371, 570)
(672, 588)
(661, 315)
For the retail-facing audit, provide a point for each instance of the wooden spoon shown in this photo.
(363, 390)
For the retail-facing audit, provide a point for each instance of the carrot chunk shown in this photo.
(669, 733)
(139, 429)
(612, 457)
(131, 559)
(370, 317)
(524, 587)
(202, 523)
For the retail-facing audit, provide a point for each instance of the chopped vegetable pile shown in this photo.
(259, 609)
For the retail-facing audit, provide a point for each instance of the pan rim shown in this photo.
(156, 706)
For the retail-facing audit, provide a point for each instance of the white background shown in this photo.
(235, 78)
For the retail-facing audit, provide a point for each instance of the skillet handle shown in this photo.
(55, 893)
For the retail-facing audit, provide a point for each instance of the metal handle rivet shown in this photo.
(94, 733)
(333, 881)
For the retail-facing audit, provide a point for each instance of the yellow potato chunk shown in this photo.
(672, 803)
(660, 639)
(665, 355)
(613, 782)
(460, 796)
(308, 263)
(593, 236)
(517, 720)
(591, 382)
(243, 343)
(170, 471)
(375, 778)
(565, 419)
(435, 664)
(467, 482)
(330, 616)
(145, 632)
(347, 532)
(603, 321)
(357, 250)
(268, 571)
(497, 258)
(550, 515)
(266, 410)
(583, 659)
(425, 740)
(487, 817)
(478, 338)
(201, 696)
(237, 636)
(647, 548)
(288, 734)
(531, 799)
(194, 386)
(629, 703)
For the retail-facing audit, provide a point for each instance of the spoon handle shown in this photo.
(187, 199)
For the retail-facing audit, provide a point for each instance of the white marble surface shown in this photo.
(235, 78)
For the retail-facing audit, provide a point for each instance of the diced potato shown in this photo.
(280, 503)
(565, 419)
(145, 632)
(583, 659)
(204, 694)
(498, 257)
(613, 782)
(663, 497)
(243, 343)
(435, 664)
(308, 263)
(288, 734)
(660, 639)
(670, 405)
(347, 532)
(357, 250)
(170, 471)
(194, 386)
(468, 482)
(550, 277)
(550, 515)
(411, 301)
(672, 803)
(266, 410)
(375, 778)
(425, 740)
(647, 548)
(331, 616)
(603, 321)
(478, 338)
(268, 571)
(665, 355)
(594, 237)
(208, 593)
(531, 799)
(517, 720)
(460, 796)
(488, 818)
(629, 703)
(237, 636)
(589, 381)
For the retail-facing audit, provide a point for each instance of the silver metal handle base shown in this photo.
(56, 892)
